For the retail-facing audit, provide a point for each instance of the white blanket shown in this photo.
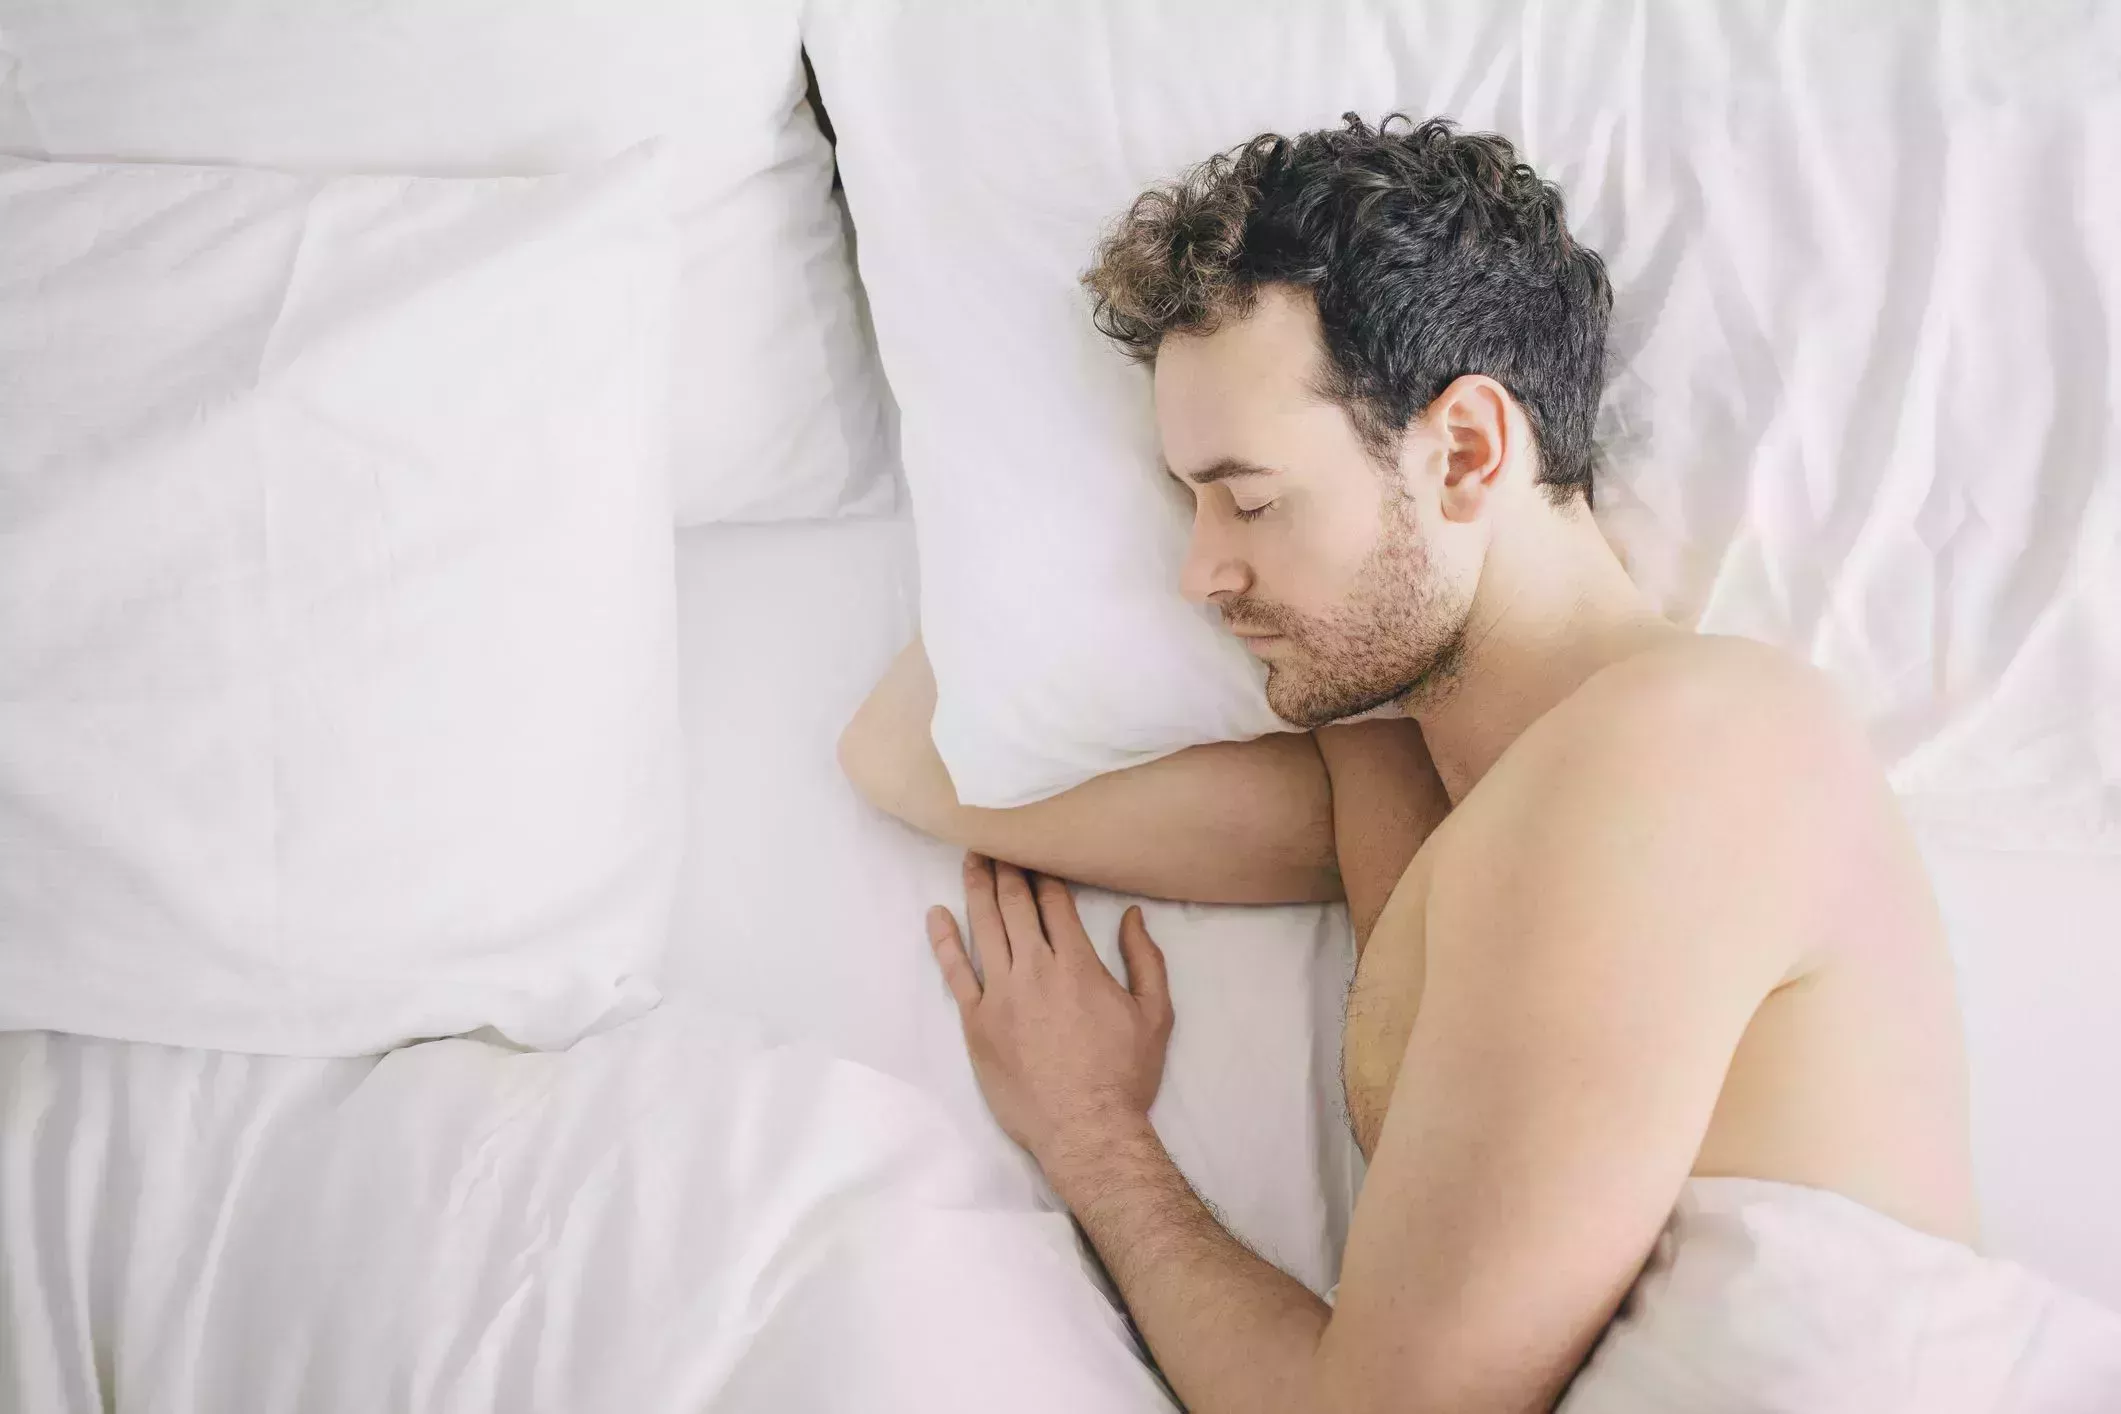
(677, 1215)
(1766, 1298)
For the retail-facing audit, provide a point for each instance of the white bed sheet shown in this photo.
(803, 1206)
(2037, 940)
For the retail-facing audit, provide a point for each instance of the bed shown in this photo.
(779, 1189)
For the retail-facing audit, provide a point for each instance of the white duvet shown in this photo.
(678, 1215)
(1769, 1298)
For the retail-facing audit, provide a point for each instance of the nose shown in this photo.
(1212, 565)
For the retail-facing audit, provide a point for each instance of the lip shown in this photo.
(1257, 641)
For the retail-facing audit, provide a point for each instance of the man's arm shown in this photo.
(1233, 822)
(1233, 1333)
(1158, 1238)
(1069, 1062)
(1590, 975)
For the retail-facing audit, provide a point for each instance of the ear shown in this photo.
(1472, 422)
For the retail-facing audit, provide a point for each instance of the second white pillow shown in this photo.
(337, 669)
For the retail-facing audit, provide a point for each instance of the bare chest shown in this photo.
(1382, 1004)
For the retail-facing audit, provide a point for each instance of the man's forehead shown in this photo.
(1261, 354)
(1217, 392)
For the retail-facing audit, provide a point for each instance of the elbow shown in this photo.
(884, 771)
(860, 763)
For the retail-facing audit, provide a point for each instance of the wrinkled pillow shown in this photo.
(1861, 402)
(337, 668)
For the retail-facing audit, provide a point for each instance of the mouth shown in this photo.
(1258, 641)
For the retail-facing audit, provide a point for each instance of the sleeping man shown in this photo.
(1640, 930)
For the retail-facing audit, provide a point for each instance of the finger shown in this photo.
(1027, 936)
(950, 956)
(990, 940)
(1064, 926)
(1146, 977)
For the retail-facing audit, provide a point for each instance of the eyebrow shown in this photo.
(1223, 470)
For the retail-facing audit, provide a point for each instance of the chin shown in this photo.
(1300, 704)
(1289, 701)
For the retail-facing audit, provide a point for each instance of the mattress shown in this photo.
(781, 1190)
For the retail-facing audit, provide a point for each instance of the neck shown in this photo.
(1553, 607)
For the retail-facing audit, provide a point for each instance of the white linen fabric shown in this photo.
(337, 672)
(678, 1215)
(779, 410)
(1860, 405)
(1765, 1298)
(2032, 937)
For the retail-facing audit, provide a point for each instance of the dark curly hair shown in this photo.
(1431, 254)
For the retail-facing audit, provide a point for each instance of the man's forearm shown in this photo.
(1232, 1333)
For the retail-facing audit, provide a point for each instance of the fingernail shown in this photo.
(938, 924)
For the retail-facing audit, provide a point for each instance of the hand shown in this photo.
(1061, 1050)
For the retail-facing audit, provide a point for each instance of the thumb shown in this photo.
(1146, 977)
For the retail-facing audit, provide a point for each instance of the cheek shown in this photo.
(1312, 584)
(1330, 553)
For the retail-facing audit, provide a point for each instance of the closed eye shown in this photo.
(1255, 513)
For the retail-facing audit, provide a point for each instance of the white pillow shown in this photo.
(778, 410)
(337, 667)
(1861, 403)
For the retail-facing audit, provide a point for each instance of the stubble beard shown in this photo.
(1400, 636)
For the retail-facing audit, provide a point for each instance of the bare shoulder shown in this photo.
(1710, 784)
(1705, 723)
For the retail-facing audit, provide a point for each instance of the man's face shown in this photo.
(1317, 556)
